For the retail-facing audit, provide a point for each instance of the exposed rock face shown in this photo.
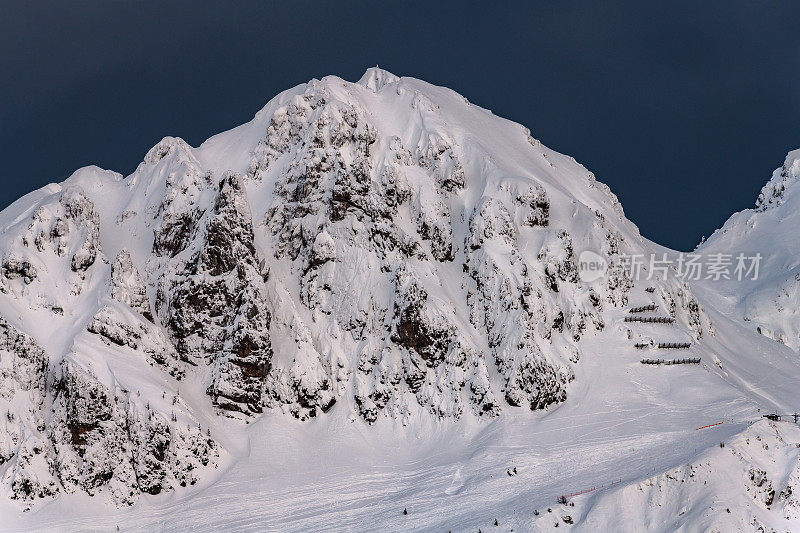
(510, 305)
(128, 287)
(337, 202)
(79, 434)
(16, 268)
(23, 380)
(536, 199)
(65, 229)
(105, 440)
(72, 229)
(180, 208)
(772, 195)
(215, 304)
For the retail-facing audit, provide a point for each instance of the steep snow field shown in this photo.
(769, 303)
(367, 300)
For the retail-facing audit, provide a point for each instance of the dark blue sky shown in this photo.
(682, 108)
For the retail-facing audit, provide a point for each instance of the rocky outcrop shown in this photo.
(63, 232)
(80, 434)
(117, 327)
(73, 228)
(128, 287)
(508, 305)
(214, 303)
(23, 381)
(106, 440)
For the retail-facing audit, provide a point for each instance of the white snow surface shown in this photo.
(429, 347)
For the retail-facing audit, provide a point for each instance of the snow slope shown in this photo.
(769, 303)
(362, 301)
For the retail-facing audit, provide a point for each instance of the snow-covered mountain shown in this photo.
(769, 304)
(370, 273)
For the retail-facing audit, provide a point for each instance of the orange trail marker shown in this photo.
(708, 426)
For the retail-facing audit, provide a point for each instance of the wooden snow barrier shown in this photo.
(566, 497)
(688, 361)
(650, 319)
(674, 345)
(641, 345)
(643, 308)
